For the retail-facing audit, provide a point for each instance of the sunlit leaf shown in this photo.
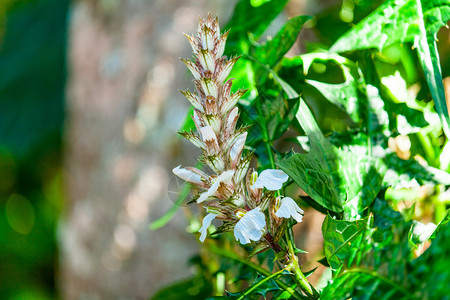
(339, 236)
(406, 21)
(337, 180)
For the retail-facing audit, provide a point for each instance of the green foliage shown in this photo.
(368, 152)
(340, 238)
(406, 21)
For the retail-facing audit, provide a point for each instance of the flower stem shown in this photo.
(299, 277)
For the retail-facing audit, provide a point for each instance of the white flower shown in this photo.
(271, 179)
(187, 175)
(225, 176)
(205, 224)
(250, 226)
(288, 208)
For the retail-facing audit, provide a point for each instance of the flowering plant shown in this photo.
(375, 244)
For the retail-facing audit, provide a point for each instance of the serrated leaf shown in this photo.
(406, 21)
(337, 180)
(339, 235)
(394, 21)
(364, 284)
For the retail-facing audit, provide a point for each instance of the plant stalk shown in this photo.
(299, 277)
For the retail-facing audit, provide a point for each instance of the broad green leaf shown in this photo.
(273, 50)
(394, 21)
(344, 95)
(337, 180)
(339, 237)
(364, 284)
(409, 116)
(272, 111)
(32, 77)
(307, 59)
(257, 3)
(406, 21)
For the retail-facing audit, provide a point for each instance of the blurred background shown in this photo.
(89, 110)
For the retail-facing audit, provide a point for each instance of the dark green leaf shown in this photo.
(241, 25)
(337, 180)
(273, 50)
(429, 273)
(339, 237)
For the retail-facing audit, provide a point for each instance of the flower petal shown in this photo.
(211, 191)
(187, 175)
(289, 208)
(250, 227)
(224, 177)
(271, 179)
(237, 148)
(205, 224)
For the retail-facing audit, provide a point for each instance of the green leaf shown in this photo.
(344, 95)
(339, 237)
(429, 58)
(241, 24)
(392, 22)
(258, 268)
(406, 21)
(364, 284)
(409, 114)
(188, 124)
(442, 224)
(275, 113)
(32, 77)
(401, 173)
(338, 180)
(273, 50)
(263, 285)
(429, 273)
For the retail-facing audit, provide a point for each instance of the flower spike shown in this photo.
(235, 194)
